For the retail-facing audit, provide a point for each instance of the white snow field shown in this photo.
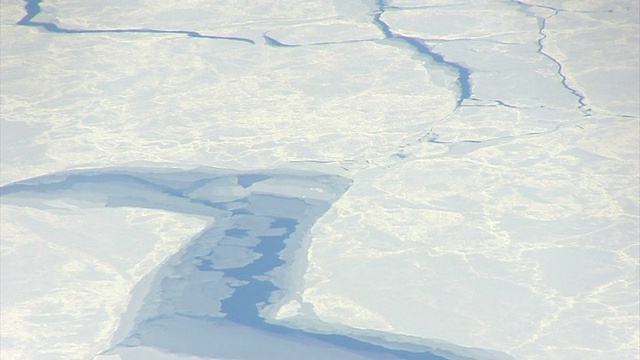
(345, 179)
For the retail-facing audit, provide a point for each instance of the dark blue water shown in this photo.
(265, 227)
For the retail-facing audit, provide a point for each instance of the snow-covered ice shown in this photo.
(312, 179)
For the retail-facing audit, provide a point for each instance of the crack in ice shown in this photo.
(542, 23)
(273, 42)
(463, 80)
(257, 223)
(32, 8)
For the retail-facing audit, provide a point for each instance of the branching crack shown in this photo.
(542, 24)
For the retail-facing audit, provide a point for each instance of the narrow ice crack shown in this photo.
(495, 103)
(463, 80)
(542, 25)
(275, 43)
(581, 98)
(432, 137)
(32, 8)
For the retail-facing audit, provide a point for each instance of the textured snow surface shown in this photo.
(314, 179)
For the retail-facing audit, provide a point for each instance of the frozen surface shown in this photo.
(212, 289)
(490, 151)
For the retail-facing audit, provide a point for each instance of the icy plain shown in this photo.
(312, 179)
